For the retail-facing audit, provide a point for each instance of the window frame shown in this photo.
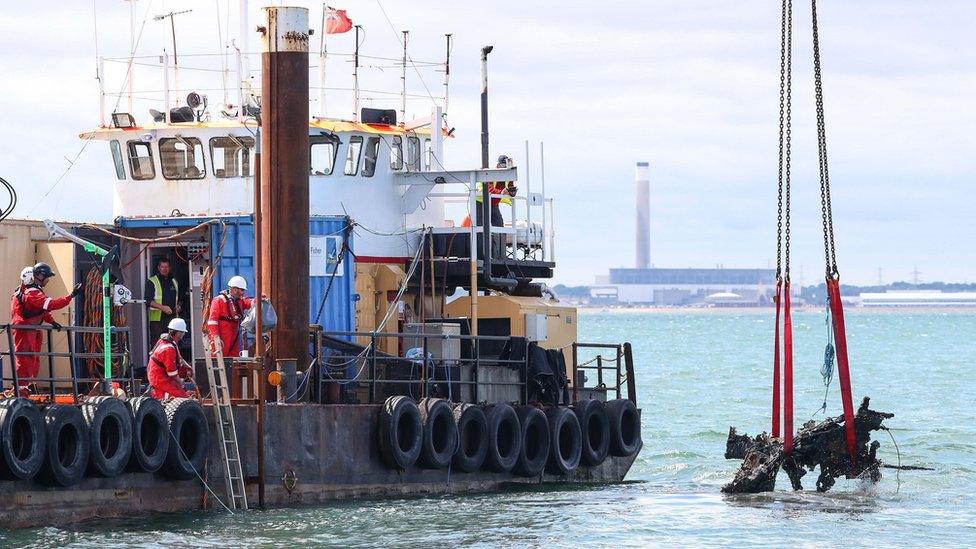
(353, 140)
(414, 153)
(396, 153)
(246, 167)
(315, 140)
(130, 148)
(117, 159)
(373, 142)
(186, 141)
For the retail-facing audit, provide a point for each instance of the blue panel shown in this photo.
(337, 313)
(237, 255)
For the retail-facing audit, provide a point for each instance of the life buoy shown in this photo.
(150, 435)
(401, 432)
(189, 439)
(535, 442)
(504, 438)
(440, 433)
(21, 439)
(67, 446)
(625, 428)
(567, 441)
(109, 423)
(595, 430)
(472, 428)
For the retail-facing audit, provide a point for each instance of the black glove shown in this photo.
(56, 326)
(79, 289)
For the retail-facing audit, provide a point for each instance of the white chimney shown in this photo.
(643, 186)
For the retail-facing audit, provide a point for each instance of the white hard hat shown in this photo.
(237, 282)
(27, 275)
(177, 324)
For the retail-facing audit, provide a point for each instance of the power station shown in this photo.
(669, 287)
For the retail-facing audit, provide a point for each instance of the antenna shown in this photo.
(172, 26)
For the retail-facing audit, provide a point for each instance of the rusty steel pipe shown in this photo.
(282, 203)
(284, 176)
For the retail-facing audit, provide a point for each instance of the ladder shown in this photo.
(226, 429)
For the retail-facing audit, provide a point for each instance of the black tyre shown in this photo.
(401, 432)
(67, 446)
(535, 442)
(440, 433)
(595, 428)
(566, 439)
(472, 428)
(625, 428)
(109, 422)
(504, 438)
(189, 439)
(150, 435)
(21, 439)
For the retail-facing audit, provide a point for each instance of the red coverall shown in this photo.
(165, 370)
(30, 305)
(226, 314)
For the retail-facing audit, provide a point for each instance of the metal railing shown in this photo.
(619, 369)
(368, 375)
(54, 384)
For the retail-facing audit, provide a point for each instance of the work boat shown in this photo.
(431, 357)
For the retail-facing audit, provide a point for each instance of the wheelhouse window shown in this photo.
(413, 154)
(117, 159)
(232, 156)
(182, 158)
(352, 155)
(396, 153)
(369, 161)
(140, 160)
(323, 154)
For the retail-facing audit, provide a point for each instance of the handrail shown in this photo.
(11, 354)
(425, 375)
(621, 365)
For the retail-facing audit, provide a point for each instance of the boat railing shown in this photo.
(610, 373)
(70, 388)
(461, 368)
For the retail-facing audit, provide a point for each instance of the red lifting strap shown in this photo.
(787, 371)
(843, 367)
(776, 383)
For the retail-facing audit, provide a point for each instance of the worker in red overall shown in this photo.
(29, 305)
(226, 313)
(166, 371)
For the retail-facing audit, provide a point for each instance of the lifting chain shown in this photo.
(785, 141)
(830, 255)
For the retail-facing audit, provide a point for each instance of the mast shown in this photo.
(403, 80)
(355, 79)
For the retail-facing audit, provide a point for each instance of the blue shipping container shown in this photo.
(331, 283)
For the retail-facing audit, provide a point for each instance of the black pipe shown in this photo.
(507, 283)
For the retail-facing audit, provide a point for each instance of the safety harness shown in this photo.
(236, 311)
(835, 306)
(165, 339)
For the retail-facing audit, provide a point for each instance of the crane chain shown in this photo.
(785, 140)
(830, 254)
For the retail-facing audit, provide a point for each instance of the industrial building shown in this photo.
(918, 298)
(647, 285)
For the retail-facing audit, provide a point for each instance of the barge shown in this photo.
(414, 353)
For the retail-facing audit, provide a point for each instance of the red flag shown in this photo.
(337, 22)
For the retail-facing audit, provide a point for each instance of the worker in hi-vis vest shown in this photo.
(163, 300)
(226, 313)
(500, 192)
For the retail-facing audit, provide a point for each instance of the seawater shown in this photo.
(698, 373)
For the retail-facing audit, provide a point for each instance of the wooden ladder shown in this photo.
(226, 429)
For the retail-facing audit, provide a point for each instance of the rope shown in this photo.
(205, 485)
(92, 316)
(827, 368)
(897, 453)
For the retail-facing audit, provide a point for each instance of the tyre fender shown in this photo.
(472, 428)
(535, 442)
(109, 423)
(401, 432)
(189, 440)
(595, 428)
(625, 427)
(67, 446)
(22, 439)
(567, 441)
(440, 433)
(504, 438)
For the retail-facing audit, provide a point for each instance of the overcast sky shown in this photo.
(690, 86)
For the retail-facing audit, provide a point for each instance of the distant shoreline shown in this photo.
(767, 310)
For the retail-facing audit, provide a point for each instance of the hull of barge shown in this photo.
(331, 451)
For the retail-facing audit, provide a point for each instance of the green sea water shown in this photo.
(698, 373)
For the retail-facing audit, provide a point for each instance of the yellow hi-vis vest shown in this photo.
(502, 198)
(155, 315)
